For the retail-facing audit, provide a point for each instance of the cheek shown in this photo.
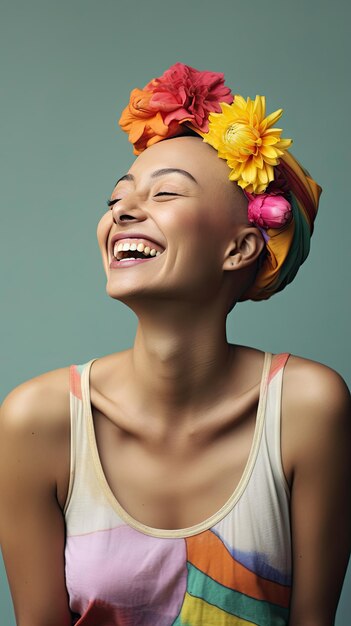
(199, 243)
(186, 221)
(103, 229)
(202, 230)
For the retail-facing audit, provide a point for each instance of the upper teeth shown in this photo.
(140, 247)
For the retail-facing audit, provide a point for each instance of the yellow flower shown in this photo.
(243, 136)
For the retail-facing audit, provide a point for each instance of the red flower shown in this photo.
(183, 93)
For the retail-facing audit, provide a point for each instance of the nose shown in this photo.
(124, 213)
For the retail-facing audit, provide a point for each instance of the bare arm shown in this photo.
(31, 522)
(317, 436)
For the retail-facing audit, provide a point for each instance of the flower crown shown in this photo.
(282, 196)
(235, 127)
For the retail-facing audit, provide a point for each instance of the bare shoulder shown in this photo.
(41, 402)
(316, 415)
(35, 433)
(316, 387)
(35, 438)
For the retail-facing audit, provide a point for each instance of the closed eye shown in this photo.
(112, 202)
(160, 193)
(166, 193)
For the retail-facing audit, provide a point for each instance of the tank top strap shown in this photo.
(78, 430)
(75, 377)
(75, 381)
(278, 363)
(272, 428)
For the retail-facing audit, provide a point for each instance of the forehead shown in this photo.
(189, 153)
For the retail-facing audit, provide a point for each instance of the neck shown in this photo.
(179, 359)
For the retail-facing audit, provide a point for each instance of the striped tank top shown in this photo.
(232, 569)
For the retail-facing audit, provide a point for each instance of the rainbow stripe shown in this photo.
(222, 591)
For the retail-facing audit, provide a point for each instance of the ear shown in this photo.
(244, 249)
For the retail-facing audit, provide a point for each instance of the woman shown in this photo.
(186, 480)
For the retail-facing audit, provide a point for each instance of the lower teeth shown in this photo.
(130, 258)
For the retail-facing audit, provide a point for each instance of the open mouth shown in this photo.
(134, 249)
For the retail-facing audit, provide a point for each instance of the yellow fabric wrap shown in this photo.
(288, 247)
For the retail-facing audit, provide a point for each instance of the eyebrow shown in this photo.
(125, 177)
(173, 170)
(161, 172)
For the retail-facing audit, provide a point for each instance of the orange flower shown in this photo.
(143, 124)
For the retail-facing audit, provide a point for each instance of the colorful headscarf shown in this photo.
(282, 196)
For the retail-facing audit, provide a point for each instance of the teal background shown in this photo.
(68, 68)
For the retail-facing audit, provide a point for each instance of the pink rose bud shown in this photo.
(269, 211)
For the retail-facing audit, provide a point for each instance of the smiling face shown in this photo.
(178, 212)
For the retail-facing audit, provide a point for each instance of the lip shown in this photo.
(121, 265)
(126, 235)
